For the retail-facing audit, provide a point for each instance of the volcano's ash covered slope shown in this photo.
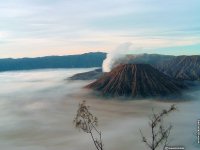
(90, 75)
(182, 67)
(136, 80)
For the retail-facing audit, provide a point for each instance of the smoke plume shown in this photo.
(118, 53)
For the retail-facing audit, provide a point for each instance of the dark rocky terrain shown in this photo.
(90, 75)
(181, 67)
(178, 67)
(137, 80)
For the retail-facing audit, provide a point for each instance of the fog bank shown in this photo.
(37, 110)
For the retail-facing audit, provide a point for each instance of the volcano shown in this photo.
(137, 80)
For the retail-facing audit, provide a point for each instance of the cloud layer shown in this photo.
(48, 27)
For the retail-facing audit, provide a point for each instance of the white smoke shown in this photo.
(116, 54)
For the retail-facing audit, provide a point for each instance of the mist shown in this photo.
(116, 54)
(37, 110)
(123, 53)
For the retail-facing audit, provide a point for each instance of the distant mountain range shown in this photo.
(137, 80)
(179, 67)
(71, 61)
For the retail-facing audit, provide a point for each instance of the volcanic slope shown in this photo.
(137, 80)
(182, 67)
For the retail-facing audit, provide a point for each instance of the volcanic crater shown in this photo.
(137, 80)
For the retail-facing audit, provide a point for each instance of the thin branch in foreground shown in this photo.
(159, 133)
(85, 121)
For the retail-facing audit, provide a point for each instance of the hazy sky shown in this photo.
(61, 27)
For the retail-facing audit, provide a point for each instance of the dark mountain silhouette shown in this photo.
(181, 67)
(130, 59)
(178, 67)
(137, 80)
(90, 75)
(70, 61)
(152, 59)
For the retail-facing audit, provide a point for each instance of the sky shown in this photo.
(30, 28)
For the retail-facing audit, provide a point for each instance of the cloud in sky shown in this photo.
(48, 27)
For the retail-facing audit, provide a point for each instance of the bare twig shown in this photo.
(159, 133)
(85, 121)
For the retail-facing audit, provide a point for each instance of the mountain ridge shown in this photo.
(136, 80)
(86, 60)
(183, 67)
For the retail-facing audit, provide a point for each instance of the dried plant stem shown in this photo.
(159, 133)
(85, 121)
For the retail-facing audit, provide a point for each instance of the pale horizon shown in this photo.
(34, 28)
